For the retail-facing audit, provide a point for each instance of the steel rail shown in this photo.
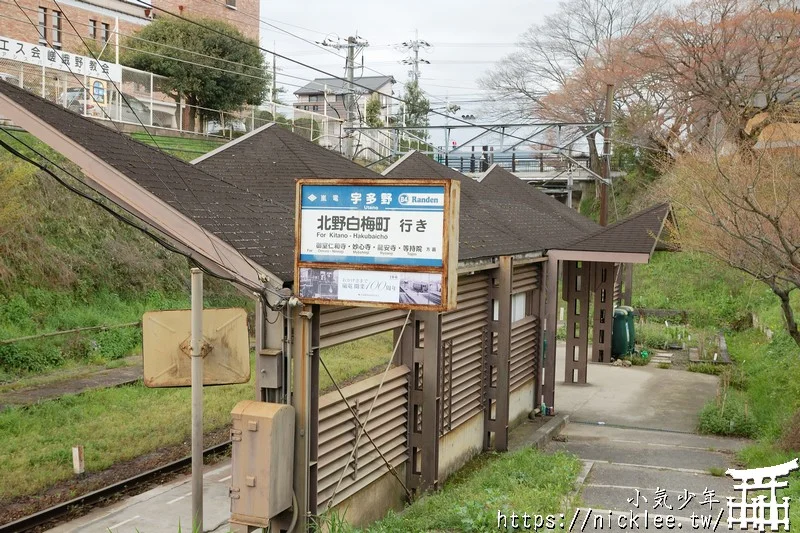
(93, 498)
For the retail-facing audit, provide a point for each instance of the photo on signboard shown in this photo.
(421, 288)
(319, 283)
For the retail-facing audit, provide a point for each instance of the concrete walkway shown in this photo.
(633, 428)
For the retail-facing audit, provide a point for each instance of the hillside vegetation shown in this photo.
(759, 394)
(65, 263)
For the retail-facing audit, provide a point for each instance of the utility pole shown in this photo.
(415, 46)
(274, 89)
(606, 170)
(349, 97)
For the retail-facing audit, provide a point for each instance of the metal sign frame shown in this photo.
(449, 244)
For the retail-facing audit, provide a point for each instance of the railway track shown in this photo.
(48, 516)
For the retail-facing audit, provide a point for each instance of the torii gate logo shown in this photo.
(759, 513)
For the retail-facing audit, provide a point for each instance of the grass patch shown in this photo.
(664, 366)
(182, 148)
(712, 294)
(113, 425)
(121, 423)
(526, 481)
(706, 368)
(355, 358)
(36, 311)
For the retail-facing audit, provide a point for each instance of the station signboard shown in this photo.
(377, 243)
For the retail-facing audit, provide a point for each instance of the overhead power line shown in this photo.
(321, 71)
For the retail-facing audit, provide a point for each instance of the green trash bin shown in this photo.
(619, 333)
(631, 321)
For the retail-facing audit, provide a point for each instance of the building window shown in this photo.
(313, 98)
(305, 108)
(93, 29)
(230, 4)
(314, 108)
(99, 92)
(43, 26)
(57, 29)
(106, 32)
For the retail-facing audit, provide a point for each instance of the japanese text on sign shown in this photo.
(40, 55)
(388, 225)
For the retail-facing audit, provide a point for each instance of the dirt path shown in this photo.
(98, 378)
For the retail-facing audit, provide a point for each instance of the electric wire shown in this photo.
(321, 71)
(87, 92)
(154, 236)
(150, 136)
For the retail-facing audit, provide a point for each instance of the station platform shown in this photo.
(164, 509)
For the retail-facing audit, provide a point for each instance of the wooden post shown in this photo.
(430, 354)
(497, 370)
(305, 396)
(551, 325)
(603, 288)
(405, 356)
(576, 293)
(77, 460)
(627, 295)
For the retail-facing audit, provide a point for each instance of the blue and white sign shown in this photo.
(372, 225)
(377, 243)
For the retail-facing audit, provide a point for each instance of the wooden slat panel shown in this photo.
(525, 333)
(464, 327)
(338, 431)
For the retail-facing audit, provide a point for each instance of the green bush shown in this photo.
(653, 335)
(729, 416)
(29, 357)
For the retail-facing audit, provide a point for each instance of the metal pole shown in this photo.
(197, 400)
(151, 98)
(116, 43)
(606, 170)
(349, 104)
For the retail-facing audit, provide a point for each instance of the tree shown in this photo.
(415, 108)
(743, 211)
(373, 111)
(567, 53)
(210, 70)
(726, 62)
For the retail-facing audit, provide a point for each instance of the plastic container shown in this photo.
(631, 321)
(620, 333)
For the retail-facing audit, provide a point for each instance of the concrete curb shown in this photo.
(552, 428)
(539, 438)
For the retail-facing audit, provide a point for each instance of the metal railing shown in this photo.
(146, 101)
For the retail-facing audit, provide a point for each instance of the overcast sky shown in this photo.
(466, 38)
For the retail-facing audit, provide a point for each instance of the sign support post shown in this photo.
(197, 400)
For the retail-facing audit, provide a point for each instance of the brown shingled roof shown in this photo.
(636, 234)
(268, 160)
(257, 226)
(512, 215)
(486, 229)
(554, 222)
